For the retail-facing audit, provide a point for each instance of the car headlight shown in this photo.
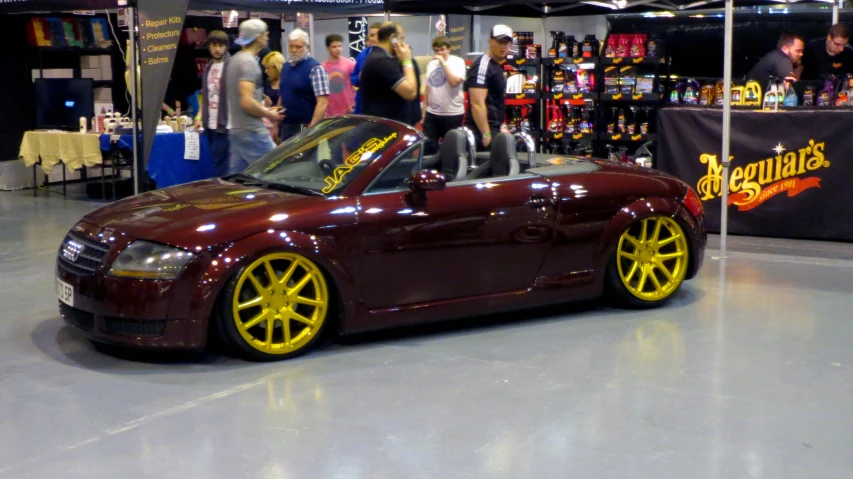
(144, 260)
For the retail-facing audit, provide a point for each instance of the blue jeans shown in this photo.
(247, 148)
(218, 144)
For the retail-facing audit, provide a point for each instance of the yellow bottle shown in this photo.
(752, 94)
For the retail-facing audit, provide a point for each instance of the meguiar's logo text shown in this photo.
(757, 182)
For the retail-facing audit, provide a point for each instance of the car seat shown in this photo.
(503, 160)
(452, 158)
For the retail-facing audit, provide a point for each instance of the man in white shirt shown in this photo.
(444, 100)
(213, 114)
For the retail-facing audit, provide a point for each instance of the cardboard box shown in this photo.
(104, 94)
(93, 73)
(106, 62)
(90, 62)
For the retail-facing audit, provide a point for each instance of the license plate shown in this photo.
(65, 292)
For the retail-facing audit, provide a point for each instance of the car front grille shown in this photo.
(81, 256)
(81, 319)
(131, 327)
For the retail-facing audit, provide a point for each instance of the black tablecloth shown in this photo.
(791, 172)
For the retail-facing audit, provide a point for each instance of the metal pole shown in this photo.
(727, 125)
(137, 179)
(835, 6)
(387, 15)
(311, 31)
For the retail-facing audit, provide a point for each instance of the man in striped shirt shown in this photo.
(486, 87)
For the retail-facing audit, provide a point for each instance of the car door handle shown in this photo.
(537, 201)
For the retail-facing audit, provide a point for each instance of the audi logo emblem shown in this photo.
(71, 251)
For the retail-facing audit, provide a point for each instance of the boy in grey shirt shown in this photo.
(248, 137)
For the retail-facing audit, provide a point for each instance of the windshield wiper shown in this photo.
(245, 179)
(293, 189)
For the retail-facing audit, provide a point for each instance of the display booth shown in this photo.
(614, 92)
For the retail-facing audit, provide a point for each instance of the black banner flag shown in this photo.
(789, 175)
(160, 25)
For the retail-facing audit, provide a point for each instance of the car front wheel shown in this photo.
(275, 308)
(650, 262)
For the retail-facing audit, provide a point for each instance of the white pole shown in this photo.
(387, 15)
(727, 125)
(835, 6)
(311, 38)
(134, 88)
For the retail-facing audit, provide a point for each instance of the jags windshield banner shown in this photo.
(790, 172)
(160, 25)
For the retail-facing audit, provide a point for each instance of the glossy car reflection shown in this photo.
(348, 227)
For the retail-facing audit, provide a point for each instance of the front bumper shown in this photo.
(148, 314)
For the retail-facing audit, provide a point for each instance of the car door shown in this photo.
(473, 238)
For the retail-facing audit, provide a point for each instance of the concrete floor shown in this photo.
(747, 374)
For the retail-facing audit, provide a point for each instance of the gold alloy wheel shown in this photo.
(652, 258)
(280, 303)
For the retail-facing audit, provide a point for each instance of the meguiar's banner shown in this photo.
(789, 172)
(160, 25)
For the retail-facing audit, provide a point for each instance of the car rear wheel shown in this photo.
(275, 308)
(650, 262)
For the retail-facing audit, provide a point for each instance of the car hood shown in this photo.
(208, 213)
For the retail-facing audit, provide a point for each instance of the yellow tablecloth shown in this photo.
(74, 149)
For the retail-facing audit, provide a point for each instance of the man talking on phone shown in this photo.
(388, 85)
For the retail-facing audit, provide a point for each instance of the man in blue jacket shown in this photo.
(359, 63)
(304, 87)
(213, 111)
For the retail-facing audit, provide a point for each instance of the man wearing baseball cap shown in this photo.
(213, 112)
(486, 87)
(248, 137)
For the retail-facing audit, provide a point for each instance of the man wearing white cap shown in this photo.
(486, 87)
(248, 137)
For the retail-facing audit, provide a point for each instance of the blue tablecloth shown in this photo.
(167, 165)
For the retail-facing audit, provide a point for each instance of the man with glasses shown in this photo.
(829, 56)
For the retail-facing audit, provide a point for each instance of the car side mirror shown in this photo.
(427, 180)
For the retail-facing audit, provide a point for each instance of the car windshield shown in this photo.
(326, 158)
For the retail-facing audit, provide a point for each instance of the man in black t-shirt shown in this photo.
(828, 56)
(486, 87)
(779, 63)
(388, 85)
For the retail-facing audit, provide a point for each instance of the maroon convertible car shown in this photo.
(348, 227)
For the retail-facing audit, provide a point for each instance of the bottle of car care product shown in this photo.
(791, 99)
(706, 95)
(575, 46)
(590, 47)
(824, 96)
(752, 94)
(691, 92)
(621, 125)
(563, 47)
(610, 46)
(771, 97)
(809, 96)
(555, 44)
(737, 95)
(611, 121)
(584, 85)
(677, 92)
(718, 93)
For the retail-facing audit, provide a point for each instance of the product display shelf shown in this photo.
(560, 107)
(633, 60)
(630, 104)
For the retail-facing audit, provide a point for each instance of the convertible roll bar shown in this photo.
(521, 137)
